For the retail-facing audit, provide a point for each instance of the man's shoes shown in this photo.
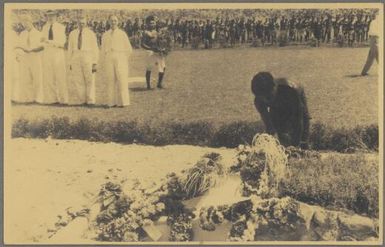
(364, 74)
(160, 86)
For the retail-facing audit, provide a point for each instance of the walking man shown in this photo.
(83, 54)
(54, 67)
(373, 40)
(116, 50)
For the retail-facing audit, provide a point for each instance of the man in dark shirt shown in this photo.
(129, 29)
(196, 35)
(283, 109)
(184, 33)
(156, 52)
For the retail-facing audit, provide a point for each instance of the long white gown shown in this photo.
(115, 52)
(81, 82)
(54, 65)
(31, 73)
(14, 59)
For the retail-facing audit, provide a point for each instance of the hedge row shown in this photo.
(200, 133)
(338, 181)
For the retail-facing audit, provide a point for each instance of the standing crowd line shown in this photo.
(340, 28)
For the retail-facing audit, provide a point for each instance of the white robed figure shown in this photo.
(115, 51)
(31, 73)
(83, 54)
(54, 66)
(14, 62)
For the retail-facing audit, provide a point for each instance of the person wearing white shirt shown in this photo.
(115, 52)
(15, 57)
(31, 76)
(55, 71)
(83, 54)
(373, 40)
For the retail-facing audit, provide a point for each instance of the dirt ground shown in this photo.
(45, 177)
(42, 178)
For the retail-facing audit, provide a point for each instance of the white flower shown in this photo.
(160, 206)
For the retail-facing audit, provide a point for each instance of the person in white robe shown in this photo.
(31, 73)
(83, 54)
(54, 64)
(115, 51)
(14, 58)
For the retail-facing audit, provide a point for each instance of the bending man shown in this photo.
(283, 109)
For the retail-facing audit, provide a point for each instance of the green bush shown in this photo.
(124, 132)
(158, 134)
(337, 181)
(20, 128)
(39, 129)
(60, 128)
(200, 133)
(81, 129)
(369, 135)
(343, 140)
(233, 134)
(318, 135)
(195, 133)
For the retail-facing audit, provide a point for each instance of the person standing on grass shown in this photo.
(31, 76)
(115, 52)
(83, 54)
(15, 55)
(156, 53)
(373, 40)
(54, 66)
(283, 109)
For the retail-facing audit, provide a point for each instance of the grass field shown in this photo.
(214, 86)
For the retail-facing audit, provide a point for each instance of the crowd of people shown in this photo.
(57, 63)
(50, 67)
(311, 27)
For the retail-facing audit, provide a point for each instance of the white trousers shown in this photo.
(116, 75)
(55, 76)
(15, 77)
(81, 84)
(31, 78)
(155, 59)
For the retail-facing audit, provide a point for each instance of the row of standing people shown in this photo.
(45, 72)
(353, 29)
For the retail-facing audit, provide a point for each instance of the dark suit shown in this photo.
(287, 115)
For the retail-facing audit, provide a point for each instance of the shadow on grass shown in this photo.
(140, 89)
(354, 76)
(359, 76)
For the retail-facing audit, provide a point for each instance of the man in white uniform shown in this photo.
(55, 84)
(373, 40)
(83, 53)
(116, 50)
(15, 57)
(31, 74)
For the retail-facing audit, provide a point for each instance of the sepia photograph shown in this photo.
(193, 123)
